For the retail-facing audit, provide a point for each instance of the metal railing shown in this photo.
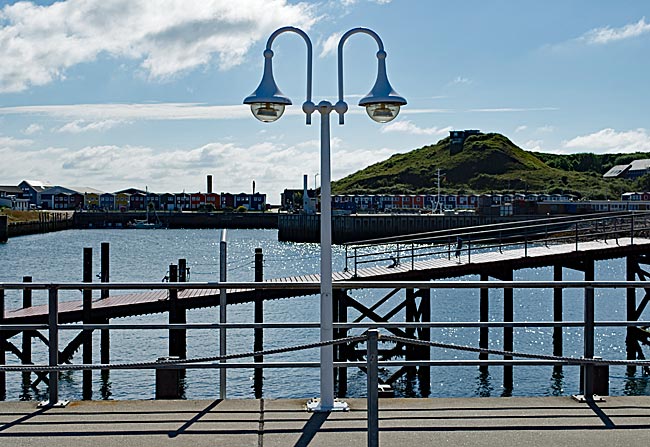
(466, 241)
(371, 337)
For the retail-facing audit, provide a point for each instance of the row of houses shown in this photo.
(30, 195)
(386, 202)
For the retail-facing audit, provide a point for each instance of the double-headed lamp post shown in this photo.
(382, 104)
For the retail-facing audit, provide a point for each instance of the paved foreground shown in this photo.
(545, 421)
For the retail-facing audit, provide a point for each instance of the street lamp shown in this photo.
(382, 105)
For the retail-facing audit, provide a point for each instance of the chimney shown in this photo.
(253, 187)
(209, 184)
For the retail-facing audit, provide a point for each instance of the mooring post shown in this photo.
(484, 317)
(258, 343)
(557, 314)
(105, 338)
(182, 270)
(53, 340)
(27, 336)
(588, 375)
(373, 388)
(87, 303)
(223, 269)
(3, 348)
(508, 316)
(181, 312)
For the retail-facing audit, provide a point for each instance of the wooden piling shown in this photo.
(258, 343)
(177, 342)
(410, 311)
(4, 229)
(87, 304)
(27, 337)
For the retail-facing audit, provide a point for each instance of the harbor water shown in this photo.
(145, 255)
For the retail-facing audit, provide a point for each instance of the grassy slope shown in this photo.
(489, 162)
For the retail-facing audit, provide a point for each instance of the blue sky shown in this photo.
(113, 94)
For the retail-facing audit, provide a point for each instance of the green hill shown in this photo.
(487, 163)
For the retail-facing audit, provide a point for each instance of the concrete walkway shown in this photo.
(547, 421)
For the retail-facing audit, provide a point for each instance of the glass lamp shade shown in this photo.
(267, 112)
(382, 112)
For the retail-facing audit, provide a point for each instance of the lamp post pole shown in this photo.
(382, 104)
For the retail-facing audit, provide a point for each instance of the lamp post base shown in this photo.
(314, 406)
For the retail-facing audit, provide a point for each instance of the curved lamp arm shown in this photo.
(382, 92)
(308, 107)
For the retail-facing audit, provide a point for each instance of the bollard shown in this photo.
(168, 381)
(599, 379)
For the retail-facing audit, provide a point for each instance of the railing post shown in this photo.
(412, 256)
(223, 299)
(87, 304)
(525, 242)
(105, 337)
(258, 342)
(27, 337)
(397, 254)
(576, 236)
(346, 259)
(53, 339)
(3, 347)
(632, 230)
(355, 262)
(469, 249)
(373, 388)
(588, 380)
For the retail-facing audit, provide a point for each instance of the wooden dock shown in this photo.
(439, 267)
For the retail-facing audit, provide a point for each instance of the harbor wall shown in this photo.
(306, 228)
(47, 222)
(178, 220)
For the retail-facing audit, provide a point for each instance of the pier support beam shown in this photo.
(4, 229)
(508, 342)
(258, 342)
(177, 342)
(87, 298)
(105, 338)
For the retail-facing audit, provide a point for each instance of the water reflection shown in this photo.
(557, 381)
(636, 384)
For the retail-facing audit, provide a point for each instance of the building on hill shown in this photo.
(630, 171)
(458, 137)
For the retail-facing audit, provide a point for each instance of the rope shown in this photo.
(581, 360)
(145, 365)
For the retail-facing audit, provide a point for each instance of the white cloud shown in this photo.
(11, 142)
(514, 109)
(605, 35)
(461, 80)
(38, 44)
(32, 129)
(609, 140)
(521, 128)
(79, 126)
(546, 129)
(406, 126)
(330, 45)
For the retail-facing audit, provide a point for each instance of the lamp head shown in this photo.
(267, 101)
(382, 103)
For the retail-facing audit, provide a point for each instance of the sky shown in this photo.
(113, 94)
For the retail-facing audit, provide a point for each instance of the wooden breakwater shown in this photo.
(306, 228)
(178, 219)
(46, 222)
